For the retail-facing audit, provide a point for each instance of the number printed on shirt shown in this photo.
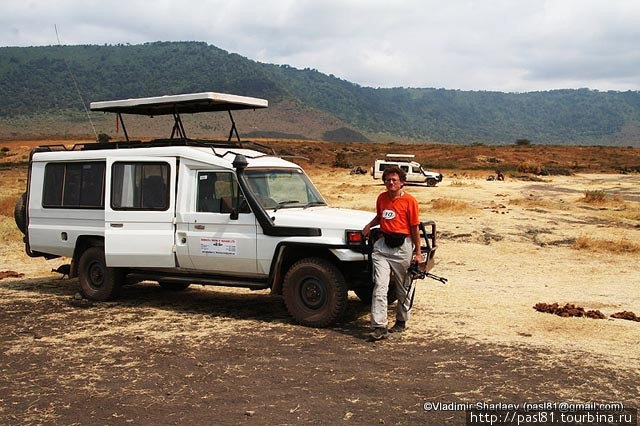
(388, 214)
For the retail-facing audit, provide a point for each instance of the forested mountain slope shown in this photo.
(35, 83)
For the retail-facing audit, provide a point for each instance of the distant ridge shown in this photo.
(273, 135)
(344, 134)
(37, 96)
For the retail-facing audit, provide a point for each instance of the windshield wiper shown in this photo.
(284, 203)
(315, 203)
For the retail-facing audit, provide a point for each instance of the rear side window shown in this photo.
(74, 185)
(140, 186)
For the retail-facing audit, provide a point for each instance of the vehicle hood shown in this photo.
(323, 217)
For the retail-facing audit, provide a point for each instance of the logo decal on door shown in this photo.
(222, 246)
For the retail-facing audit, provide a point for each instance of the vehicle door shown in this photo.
(140, 211)
(218, 241)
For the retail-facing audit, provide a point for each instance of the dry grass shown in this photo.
(9, 232)
(450, 205)
(7, 204)
(542, 203)
(622, 246)
(527, 167)
(600, 197)
(459, 183)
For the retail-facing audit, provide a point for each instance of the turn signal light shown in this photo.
(354, 237)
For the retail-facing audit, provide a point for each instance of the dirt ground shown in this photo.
(225, 356)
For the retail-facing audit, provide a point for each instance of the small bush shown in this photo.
(4, 149)
(103, 138)
(341, 161)
(597, 196)
(535, 169)
(523, 142)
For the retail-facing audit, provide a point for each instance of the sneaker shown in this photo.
(379, 333)
(398, 327)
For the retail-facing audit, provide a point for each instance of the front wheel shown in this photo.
(431, 181)
(97, 281)
(315, 292)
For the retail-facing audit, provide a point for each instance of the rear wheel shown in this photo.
(173, 286)
(315, 292)
(98, 281)
(20, 213)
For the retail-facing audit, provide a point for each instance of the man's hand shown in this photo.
(366, 231)
(417, 258)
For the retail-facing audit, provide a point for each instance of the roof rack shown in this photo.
(160, 143)
(188, 103)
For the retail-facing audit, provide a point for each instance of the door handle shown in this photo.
(199, 226)
(116, 225)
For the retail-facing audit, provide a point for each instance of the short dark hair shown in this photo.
(397, 170)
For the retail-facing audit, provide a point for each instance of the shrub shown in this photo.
(341, 161)
(103, 138)
(523, 142)
(597, 196)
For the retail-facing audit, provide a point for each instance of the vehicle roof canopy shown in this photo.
(188, 103)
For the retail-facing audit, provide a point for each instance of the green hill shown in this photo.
(38, 97)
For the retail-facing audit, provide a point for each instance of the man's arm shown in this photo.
(367, 228)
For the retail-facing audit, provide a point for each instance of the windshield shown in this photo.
(283, 188)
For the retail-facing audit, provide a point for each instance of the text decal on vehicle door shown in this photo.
(218, 246)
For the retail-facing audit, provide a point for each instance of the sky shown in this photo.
(502, 45)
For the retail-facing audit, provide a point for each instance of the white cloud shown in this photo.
(489, 45)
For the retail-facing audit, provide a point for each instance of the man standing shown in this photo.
(397, 215)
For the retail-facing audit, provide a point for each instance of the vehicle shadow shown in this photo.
(227, 303)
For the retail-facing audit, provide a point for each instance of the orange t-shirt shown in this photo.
(397, 215)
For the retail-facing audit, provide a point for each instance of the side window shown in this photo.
(216, 193)
(382, 167)
(405, 168)
(140, 186)
(416, 169)
(74, 185)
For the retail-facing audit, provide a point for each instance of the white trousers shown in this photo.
(387, 259)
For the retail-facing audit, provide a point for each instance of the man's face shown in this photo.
(392, 182)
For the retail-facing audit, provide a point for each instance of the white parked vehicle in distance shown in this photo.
(181, 211)
(415, 172)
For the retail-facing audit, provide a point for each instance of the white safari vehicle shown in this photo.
(181, 211)
(415, 172)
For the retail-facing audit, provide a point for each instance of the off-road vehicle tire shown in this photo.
(173, 286)
(97, 281)
(315, 292)
(365, 294)
(20, 213)
(432, 181)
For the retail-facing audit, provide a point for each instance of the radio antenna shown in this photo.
(75, 83)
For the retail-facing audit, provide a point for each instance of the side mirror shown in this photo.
(234, 214)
